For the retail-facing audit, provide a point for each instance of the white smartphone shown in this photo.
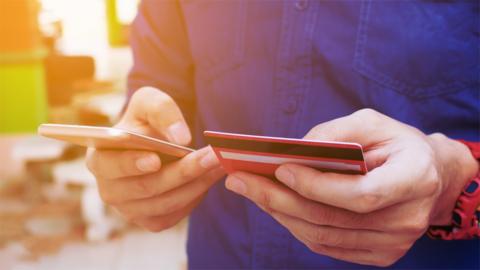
(108, 138)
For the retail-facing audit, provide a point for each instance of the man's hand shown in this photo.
(413, 182)
(153, 196)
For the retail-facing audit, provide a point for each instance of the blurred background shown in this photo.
(66, 62)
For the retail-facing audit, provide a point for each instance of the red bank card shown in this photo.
(262, 155)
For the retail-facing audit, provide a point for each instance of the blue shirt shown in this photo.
(279, 68)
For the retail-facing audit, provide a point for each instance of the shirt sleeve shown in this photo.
(161, 53)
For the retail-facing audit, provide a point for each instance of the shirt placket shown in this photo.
(293, 69)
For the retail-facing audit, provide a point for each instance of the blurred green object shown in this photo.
(120, 14)
(117, 32)
(23, 103)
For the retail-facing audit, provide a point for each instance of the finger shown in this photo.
(276, 198)
(376, 157)
(106, 164)
(154, 108)
(169, 177)
(366, 257)
(405, 219)
(344, 238)
(171, 201)
(388, 184)
(366, 127)
(273, 197)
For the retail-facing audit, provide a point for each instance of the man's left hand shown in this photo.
(374, 219)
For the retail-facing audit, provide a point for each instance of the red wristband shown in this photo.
(466, 214)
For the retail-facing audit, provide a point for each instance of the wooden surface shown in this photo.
(134, 250)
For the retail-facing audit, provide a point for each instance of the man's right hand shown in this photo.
(153, 196)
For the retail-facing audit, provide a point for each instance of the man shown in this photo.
(303, 69)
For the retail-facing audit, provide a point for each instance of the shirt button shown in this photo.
(290, 105)
(301, 5)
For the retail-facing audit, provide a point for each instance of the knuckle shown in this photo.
(306, 188)
(204, 183)
(320, 215)
(161, 100)
(146, 92)
(336, 240)
(402, 248)
(316, 248)
(156, 226)
(314, 214)
(169, 206)
(108, 197)
(416, 225)
(389, 259)
(186, 169)
(317, 131)
(265, 199)
(384, 262)
(438, 136)
(127, 218)
(126, 163)
(142, 188)
(367, 113)
(127, 213)
(365, 221)
(369, 199)
(141, 94)
(367, 203)
(92, 161)
(321, 237)
(374, 118)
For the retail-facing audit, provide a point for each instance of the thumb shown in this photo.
(365, 127)
(158, 111)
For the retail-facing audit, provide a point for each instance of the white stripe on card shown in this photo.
(333, 165)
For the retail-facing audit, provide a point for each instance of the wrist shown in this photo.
(456, 166)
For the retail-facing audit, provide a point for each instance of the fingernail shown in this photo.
(148, 163)
(209, 160)
(179, 133)
(236, 185)
(285, 176)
